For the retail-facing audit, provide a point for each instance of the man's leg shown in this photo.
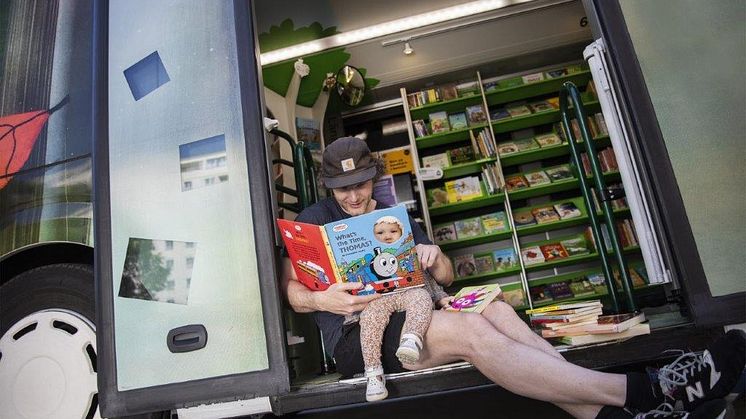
(516, 366)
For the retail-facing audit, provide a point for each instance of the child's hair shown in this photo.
(390, 219)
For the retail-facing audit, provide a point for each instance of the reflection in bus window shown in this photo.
(203, 163)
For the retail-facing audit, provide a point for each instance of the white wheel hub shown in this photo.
(46, 370)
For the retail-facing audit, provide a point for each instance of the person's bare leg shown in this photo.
(515, 366)
(503, 317)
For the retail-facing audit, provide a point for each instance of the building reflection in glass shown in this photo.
(203, 163)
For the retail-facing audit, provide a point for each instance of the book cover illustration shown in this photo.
(460, 155)
(494, 222)
(541, 106)
(558, 173)
(309, 132)
(582, 288)
(500, 114)
(384, 191)
(523, 217)
(470, 88)
(504, 259)
(470, 227)
(448, 91)
(560, 290)
(436, 197)
(444, 233)
(505, 149)
(464, 265)
(567, 210)
(376, 249)
(532, 255)
(484, 263)
(526, 144)
(463, 189)
(575, 246)
(533, 77)
(436, 160)
(518, 110)
(420, 128)
(439, 122)
(458, 120)
(475, 114)
(553, 252)
(540, 294)
(474, 299)
(537, 178)
(514, 182)
(548, 140)
(545, 215)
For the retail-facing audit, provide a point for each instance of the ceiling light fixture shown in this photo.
(408, 49)
(386, 28)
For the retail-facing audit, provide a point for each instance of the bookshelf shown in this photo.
(516, 108)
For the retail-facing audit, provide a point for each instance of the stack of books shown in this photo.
(583, 323)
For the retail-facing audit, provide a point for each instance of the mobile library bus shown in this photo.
(138, 249)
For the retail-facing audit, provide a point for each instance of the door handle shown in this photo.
(187, 338)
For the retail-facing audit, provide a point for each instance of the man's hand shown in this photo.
(436, 262)
(428, 254)
(445, 302)
(337, 299)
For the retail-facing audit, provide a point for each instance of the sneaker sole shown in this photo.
(407, 356)
(378, 397)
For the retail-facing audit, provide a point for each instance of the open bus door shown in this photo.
(187, 302)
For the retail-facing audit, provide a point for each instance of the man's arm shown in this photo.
(335, 299)
(436, 262)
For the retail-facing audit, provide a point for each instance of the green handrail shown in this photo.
(305, 174)
(569, 90)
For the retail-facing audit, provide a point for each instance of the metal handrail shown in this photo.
(305, 174)
(569, 90)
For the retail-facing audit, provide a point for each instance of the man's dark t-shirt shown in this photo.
(327, 211)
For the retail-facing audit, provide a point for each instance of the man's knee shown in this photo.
(499, 309)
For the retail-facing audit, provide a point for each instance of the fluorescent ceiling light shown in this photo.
(386, 28)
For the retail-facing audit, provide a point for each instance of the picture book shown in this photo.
(567, 210)
(558, 173)
(474, 299)
(553, 74)
(548, 140)
(376, 249)
(540, 294)
(566, 306)
(436, 197)
(532, 255)
(490, 84)
(598, 280)
(484, 263)
(581, 287)
(464, 265)
(537, 178)
(504, 149)
(540, 106)
(384, 191)
(615, 323)
(575, 246)
(518, 110)
(560, 290)
(545, 215)
(504, 259)
(420, 128)
(309, 132)
(444, 233)
(458, 120)
(533, 77)
(470, 88)
(514, 182)
(439, 122)
(636, 330)
(475, 114)
(448, 91)
(463, 189)
(460, 155)
(499, 114)
(523, 217)
(436, 160)
(514, 296)
(510, 82)
(470, 227)
(493, 223)
(526, 144)
(553, 251)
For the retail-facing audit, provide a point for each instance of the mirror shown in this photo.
(350, 85)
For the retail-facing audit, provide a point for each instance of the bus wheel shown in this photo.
(48, 343)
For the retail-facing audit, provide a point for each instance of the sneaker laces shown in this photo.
(677, 373)
(663, 410)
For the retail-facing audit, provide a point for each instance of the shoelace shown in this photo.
(676, 374)
(663, 410)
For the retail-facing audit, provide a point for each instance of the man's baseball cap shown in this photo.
(347, 161)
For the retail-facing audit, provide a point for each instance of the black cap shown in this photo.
(347, 161)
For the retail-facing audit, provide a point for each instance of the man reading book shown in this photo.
(497, 342)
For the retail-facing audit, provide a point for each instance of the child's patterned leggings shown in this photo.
(415, 302)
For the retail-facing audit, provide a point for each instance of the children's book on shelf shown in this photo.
(537, 178)
(420, 128)
(637, 280)
(461, 155)
(448, 91)
(458, 120)
(514, 182)
(376, 249)
(517, 110)
(545, 215)
(560, 290)
(490, 84)
(504, 259)
(463, 189)
(575, 245)
(474, 299)
(436, 160)
(581, 287)
(532, 255)
(464, 265)
(499, 114)
(598, 281)
(309, 132)
(509, 82)
(470, 88)
(558, 173)
(484, 263)
(436, 197)
(494, 222)
(470, 227)
(540, 294)
(533, 77)
(504, 149)
(553, 252)
(548, 140)
(384, 191)
(439, 122)
(567, 308)
(540, 106)
(444, 233)
(567, 210)
(553, 74)
(476, 115)
(523, 217)
(526, 144)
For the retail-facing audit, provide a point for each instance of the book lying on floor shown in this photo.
(567, 306)
(613, 323)
(376, 249)
(474, 299)
(636, 330)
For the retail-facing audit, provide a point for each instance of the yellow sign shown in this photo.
(397, 160)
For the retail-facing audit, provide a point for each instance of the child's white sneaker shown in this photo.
(409, 348)
(376, 389)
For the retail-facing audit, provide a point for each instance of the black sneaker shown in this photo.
(711, 409)
(693, 378)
